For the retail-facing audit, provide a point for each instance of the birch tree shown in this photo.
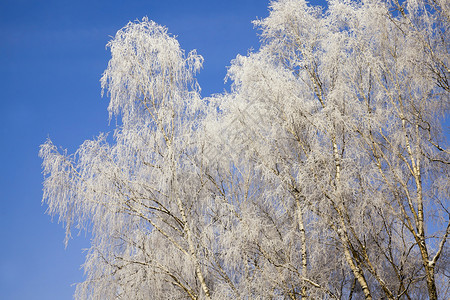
(138, 193)
(322, 174)
(351, 102)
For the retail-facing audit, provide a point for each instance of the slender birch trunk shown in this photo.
(301, 227)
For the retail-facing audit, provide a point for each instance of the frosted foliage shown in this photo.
(322, 174)
(147, 69)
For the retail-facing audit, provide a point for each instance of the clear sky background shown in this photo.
(52, 55)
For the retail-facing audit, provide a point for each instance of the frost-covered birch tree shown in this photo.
(139, 194)
(323, 174)
(343, 108)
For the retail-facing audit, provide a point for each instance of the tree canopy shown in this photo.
(324, 173)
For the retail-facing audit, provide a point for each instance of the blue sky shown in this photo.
(52, 54)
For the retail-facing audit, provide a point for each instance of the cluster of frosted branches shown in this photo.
(323, 174)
